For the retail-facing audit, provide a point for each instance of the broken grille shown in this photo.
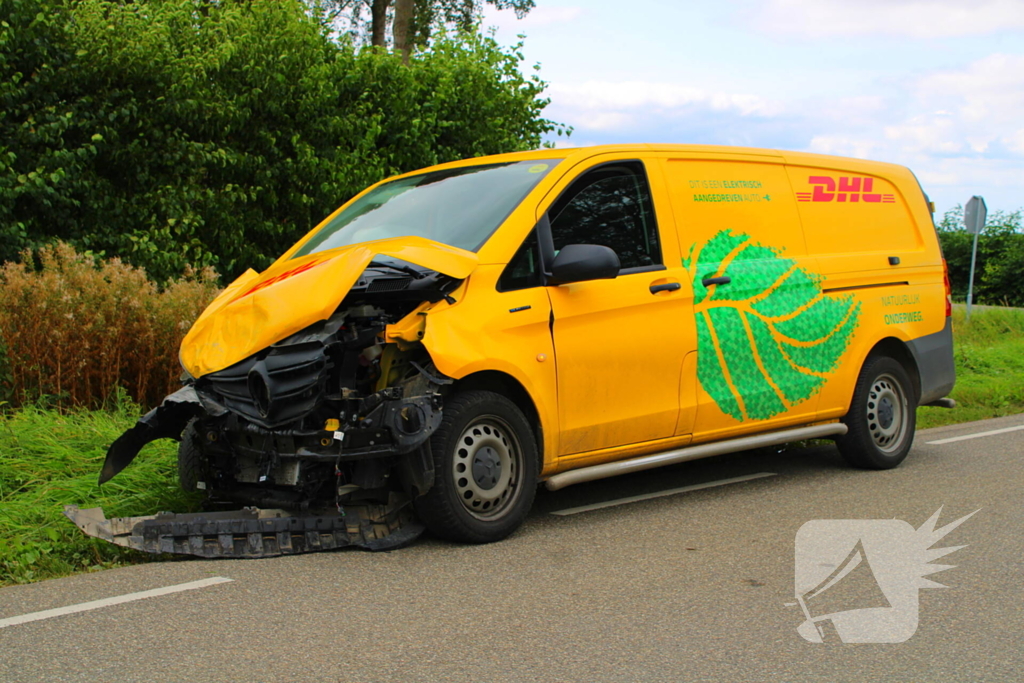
(281, 387)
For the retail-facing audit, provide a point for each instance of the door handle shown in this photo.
(665, 287)
(723, 280)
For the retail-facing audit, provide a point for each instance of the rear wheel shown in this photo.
(882, 416)
(485, 465)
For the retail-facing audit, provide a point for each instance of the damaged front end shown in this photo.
(321, 440)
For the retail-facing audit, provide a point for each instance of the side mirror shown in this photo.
(581, 262)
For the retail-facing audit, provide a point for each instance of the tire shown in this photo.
(485, 470)
(882, 417)
(191, 462)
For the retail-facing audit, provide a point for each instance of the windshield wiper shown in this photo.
(402, 269)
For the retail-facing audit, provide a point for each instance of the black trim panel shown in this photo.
(643, 269)
(850, 289)
(933, 354)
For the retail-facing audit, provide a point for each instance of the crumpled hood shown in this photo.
(259, 309)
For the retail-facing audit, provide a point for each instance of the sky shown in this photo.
(935, 85)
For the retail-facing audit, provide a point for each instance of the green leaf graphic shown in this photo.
(768, 339)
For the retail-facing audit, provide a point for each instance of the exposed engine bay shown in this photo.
(330, 423)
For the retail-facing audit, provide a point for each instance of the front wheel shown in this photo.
(485, 465)
(882, 416)
(191, 461)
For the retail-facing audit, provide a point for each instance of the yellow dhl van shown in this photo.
(450, 338)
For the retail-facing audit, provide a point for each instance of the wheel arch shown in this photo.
(898, 350)
(508, 386)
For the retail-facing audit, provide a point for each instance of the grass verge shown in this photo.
(989, 352)
(49, 459)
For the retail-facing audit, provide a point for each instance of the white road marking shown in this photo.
(660, 494)
(976, 435)
(107, 602)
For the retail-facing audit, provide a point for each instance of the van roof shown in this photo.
(793, 158)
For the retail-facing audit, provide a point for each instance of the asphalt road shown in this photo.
(687, 587)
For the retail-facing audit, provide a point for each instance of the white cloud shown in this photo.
(989, 91)
(915, 18)
(602, 105)
(1016, 143)
(844, 146)
(973, 110)
(935, 133)
(933, 176)
(969, 174)
(607, 120)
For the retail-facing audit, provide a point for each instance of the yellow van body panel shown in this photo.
(256, 311)
(506, 332)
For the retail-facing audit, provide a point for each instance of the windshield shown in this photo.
(460, 207)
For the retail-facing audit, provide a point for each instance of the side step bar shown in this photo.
(706, 450)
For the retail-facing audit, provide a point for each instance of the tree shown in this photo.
(405, 15)
(173, 132)
(414, 21)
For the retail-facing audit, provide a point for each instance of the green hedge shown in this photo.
(999, 270)
(174, 132)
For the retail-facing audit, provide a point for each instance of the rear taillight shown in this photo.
(949, 290)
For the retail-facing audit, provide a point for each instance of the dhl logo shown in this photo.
(848, 189)
(283, 276)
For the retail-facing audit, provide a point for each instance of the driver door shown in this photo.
(619, 343)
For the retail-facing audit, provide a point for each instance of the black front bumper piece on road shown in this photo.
(253, 533)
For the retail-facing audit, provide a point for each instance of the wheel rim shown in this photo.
(887, 413)
(487, 467)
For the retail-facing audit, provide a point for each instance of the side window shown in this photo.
(610, 205)
(523, 271)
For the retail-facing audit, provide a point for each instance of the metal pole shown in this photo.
(970, 281)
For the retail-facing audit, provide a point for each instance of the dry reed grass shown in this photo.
(76, 328)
